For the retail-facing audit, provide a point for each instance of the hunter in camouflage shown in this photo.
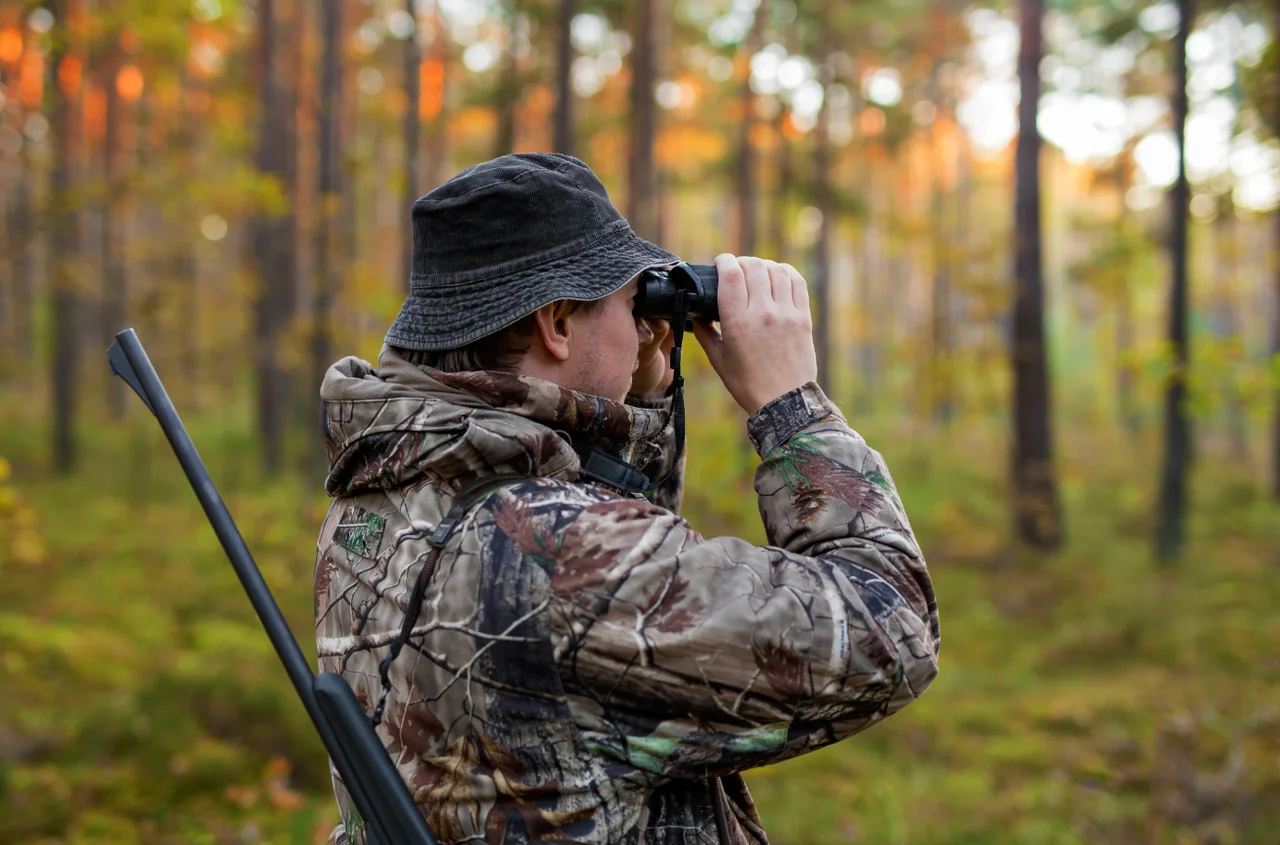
(586, 667)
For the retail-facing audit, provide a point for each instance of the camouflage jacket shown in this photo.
(586, 667)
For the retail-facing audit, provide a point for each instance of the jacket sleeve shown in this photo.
(687, 657)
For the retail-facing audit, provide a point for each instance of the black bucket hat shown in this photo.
(503, 238)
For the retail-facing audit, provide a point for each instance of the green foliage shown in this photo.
(1261, 85)
(1084, 698)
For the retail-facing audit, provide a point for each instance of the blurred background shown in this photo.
(1062, 332)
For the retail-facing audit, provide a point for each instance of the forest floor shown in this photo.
(1092, 696)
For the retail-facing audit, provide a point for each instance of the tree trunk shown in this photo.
(943, 400)
(870, 252)
(412, 136)
(564, 80)
(10, 174)
(1275, 325)
(820, 283)
(114, 281)
(272, 242)
(299, 95)
(640, 199)
(1226, 326)
(1275, 355)
(65, 242)
(438, 169)
(181, 253)
(1124, 372)
(1036, 510)
(1171, 527)
(746, 152)
(329, 188)
(865, 269)
(21, 236)
(778, 213)
(508, 95)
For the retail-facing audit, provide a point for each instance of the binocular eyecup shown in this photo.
(661, 291)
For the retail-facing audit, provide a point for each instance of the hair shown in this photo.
(502, 350)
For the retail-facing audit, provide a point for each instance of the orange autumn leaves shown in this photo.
(10, 45)
(30, 67)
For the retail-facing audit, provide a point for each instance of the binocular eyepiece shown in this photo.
(691, 288)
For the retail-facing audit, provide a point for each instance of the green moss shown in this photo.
(1087, 697)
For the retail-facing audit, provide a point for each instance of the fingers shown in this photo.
(711, 341)
(780, 282)
(667, 340)
(747, 282)
(644, 331)
(732, 288)
(654, 332)
(799, 288)
(759, 288)
(764, 305)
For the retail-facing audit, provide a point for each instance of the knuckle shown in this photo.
(727, 262)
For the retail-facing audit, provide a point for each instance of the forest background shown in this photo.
(1068, 352)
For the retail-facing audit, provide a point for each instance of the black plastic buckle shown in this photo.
(441, 535)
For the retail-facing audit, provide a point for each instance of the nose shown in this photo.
(644, 330)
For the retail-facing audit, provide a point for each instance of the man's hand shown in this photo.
(764, 345)
(653, 373)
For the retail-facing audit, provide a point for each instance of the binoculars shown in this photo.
(688, 289)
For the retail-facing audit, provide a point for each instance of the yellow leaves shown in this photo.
(763, 137)
(276, 785)
(539, 102)
(473, 127)
(946, 152)
(243, 797)
(273, 790)
(688, 146)
(968, 536)
(19, 537)
(607, 151)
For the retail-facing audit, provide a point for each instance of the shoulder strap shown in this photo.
(467, 498)
(612, 470)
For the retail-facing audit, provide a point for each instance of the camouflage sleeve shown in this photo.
(688, 657)
(669, 492)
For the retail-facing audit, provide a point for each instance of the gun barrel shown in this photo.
(376, 788)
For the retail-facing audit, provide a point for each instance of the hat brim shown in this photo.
(441, 320)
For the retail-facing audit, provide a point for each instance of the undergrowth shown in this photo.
(1090, 696)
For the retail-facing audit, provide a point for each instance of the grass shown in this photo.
(1091, 696)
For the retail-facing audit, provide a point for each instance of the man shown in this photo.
(579, 664)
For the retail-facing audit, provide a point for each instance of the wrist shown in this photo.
(780, 418)
(759, 400)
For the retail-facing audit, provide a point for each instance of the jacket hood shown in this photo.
(388, 427)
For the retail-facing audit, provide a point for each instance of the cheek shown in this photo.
(625, 337)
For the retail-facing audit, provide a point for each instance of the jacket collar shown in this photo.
(385, 427)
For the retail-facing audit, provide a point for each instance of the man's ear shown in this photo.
(554, 328)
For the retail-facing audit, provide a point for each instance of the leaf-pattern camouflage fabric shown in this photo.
(586, 667)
